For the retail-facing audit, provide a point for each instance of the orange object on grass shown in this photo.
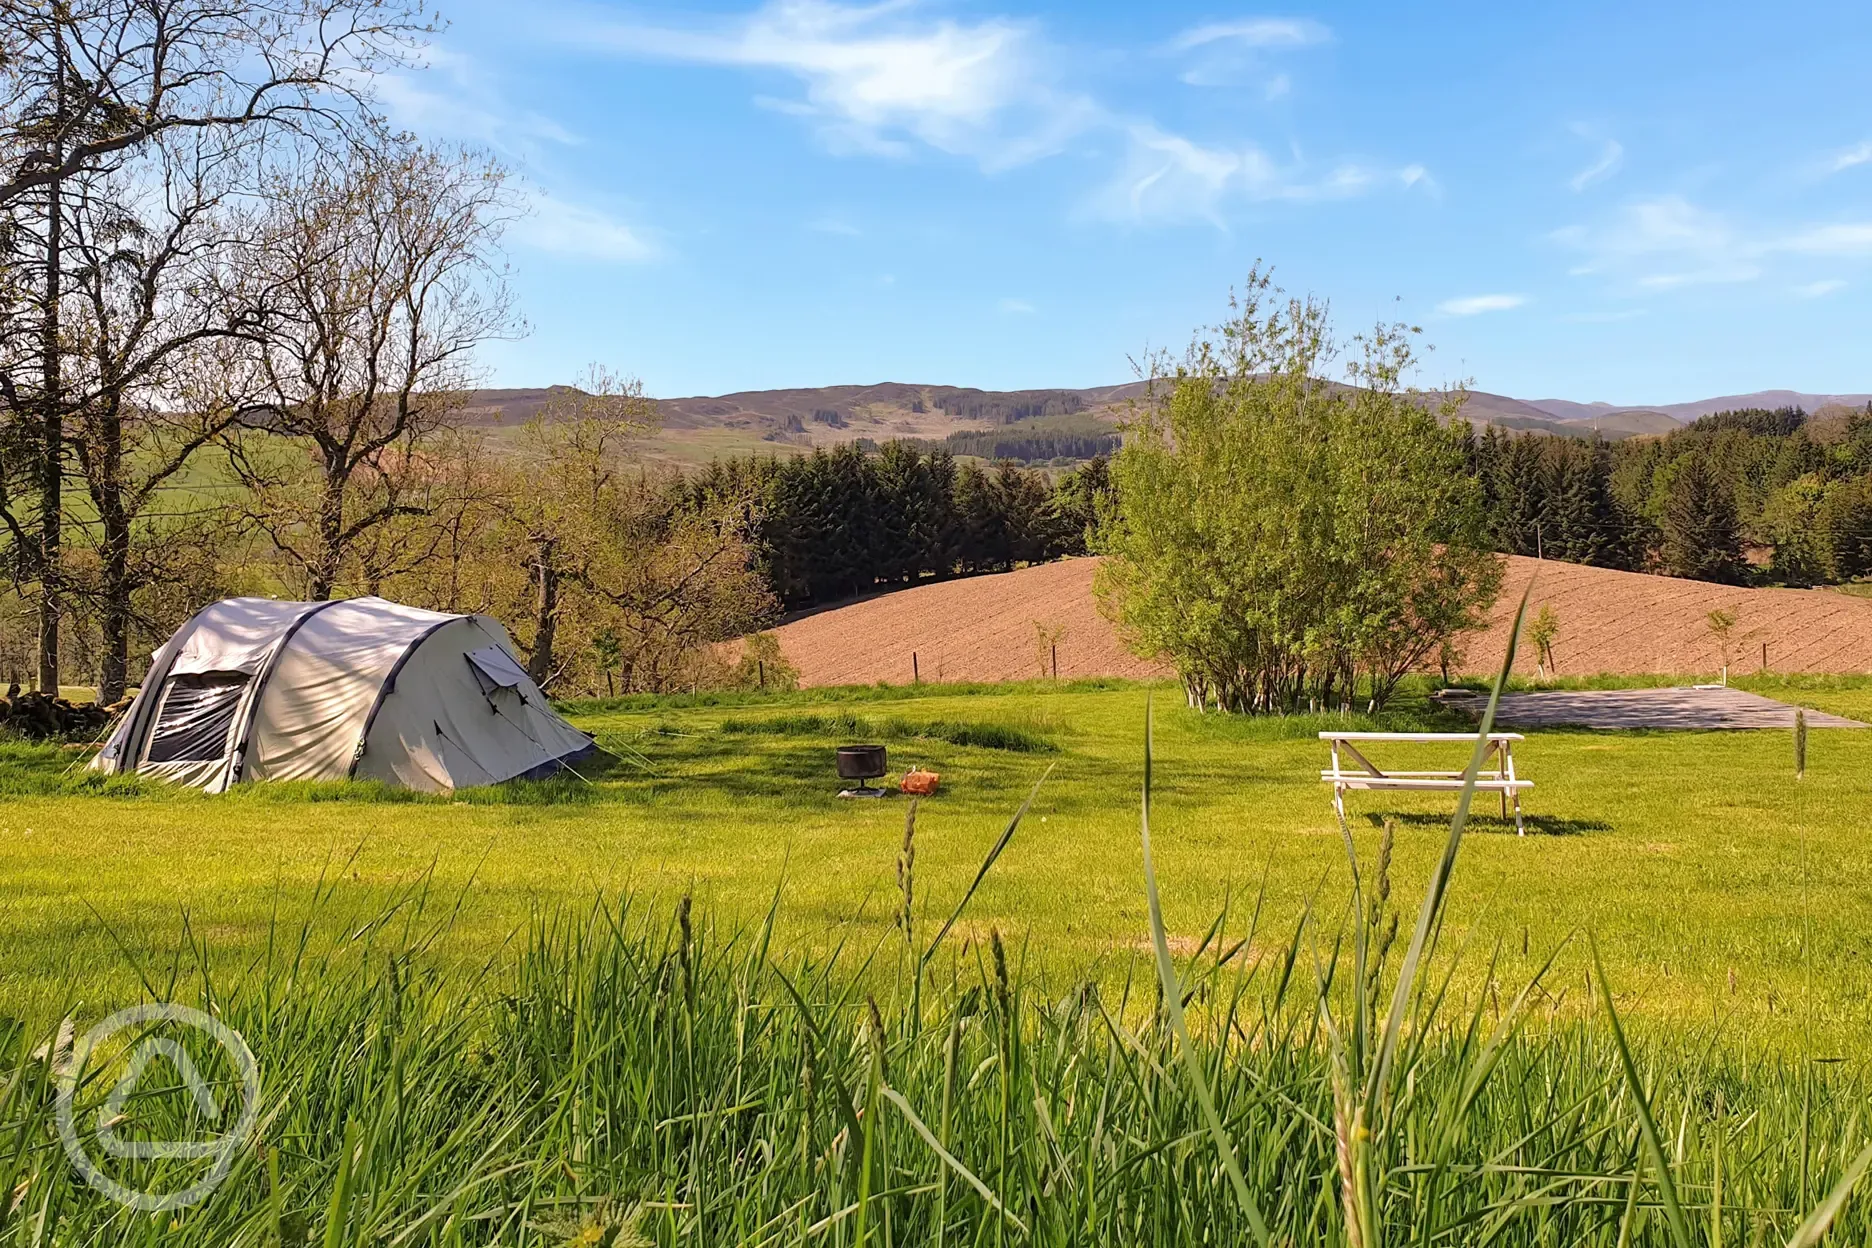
(920, 783)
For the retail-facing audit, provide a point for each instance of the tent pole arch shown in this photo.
(384, 690)
(237, 757)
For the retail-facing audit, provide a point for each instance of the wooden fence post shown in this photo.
(916, 677)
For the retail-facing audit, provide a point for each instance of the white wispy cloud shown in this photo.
(887, 78)
(1853, 238)
(1857, 154)
(1167, 178)
(1667, 242)
(874, 76)
(1661, 243)
(456, 98)
(1611, 156)
(1473, 305)
(579, 230)
(1814, 290)
(1227, 53)
(1254, 32)
(1016, 307)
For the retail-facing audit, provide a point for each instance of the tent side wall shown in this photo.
(312, 715)
(438, 729)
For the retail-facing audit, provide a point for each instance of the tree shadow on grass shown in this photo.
(1543, 825)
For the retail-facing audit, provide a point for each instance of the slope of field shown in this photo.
(981, 628)
(988, 628)
(1632, 624)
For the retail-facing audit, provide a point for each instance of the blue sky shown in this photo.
(1640, 203)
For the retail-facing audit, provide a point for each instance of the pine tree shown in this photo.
(941, 535)
(1024, 513)
(1520, 491)
(1074, 508)
(900, 498)
(982, 522)
(1702, 538)
(1846, 528)
(1589, 526)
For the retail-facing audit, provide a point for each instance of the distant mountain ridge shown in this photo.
(701, 426)
(1771, 400)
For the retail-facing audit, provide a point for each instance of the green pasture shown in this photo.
(1727, 897)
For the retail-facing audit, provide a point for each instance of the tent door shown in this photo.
(197, 712)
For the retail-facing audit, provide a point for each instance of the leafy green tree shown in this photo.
(1792, 520)
(1543, 632)
(763, 665)
(1845, 521)
(1284, 541)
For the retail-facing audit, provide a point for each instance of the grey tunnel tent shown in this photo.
(257, 689)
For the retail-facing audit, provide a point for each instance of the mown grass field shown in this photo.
(1730, 901)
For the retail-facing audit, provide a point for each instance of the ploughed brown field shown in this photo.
(991, 628)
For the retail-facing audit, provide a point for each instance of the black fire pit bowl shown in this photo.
(862, 763)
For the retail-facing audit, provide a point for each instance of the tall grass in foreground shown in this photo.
(629, 1077)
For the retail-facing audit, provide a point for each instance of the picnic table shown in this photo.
(1362, 773)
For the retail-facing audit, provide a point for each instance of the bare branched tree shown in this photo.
(580, 441)
(378, 280)
(677, 581)
(88, 85)
(87, 81)
(154, 339)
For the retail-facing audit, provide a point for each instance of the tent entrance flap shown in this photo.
(197, 712)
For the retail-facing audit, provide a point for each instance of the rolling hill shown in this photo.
(1683, 413)
(701, 427)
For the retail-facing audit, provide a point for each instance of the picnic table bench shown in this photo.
(1364, 774)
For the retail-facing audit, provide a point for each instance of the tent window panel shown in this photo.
(197, 712)
(495, 669)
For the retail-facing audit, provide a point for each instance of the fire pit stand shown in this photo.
(862, 763)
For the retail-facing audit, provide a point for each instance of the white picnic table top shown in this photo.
(1500, 748)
